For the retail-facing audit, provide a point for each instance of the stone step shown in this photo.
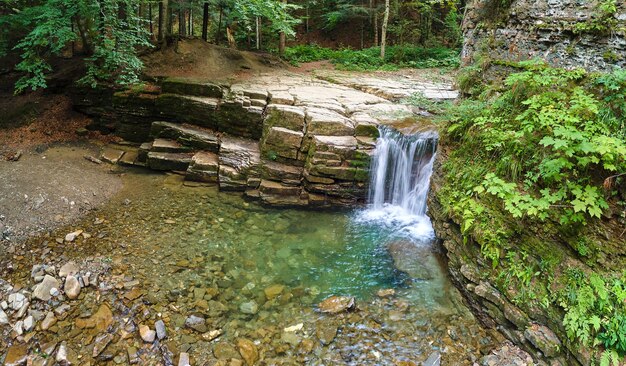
(142, 153)
(204, 167)
(169, 161)
(186, 86)
(169, 146)
(191, 136)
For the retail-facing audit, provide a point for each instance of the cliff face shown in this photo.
(535, 329)
(566, 33)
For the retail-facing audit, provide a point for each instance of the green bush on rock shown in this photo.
(545, 149)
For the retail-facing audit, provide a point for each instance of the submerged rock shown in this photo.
(148, 335)
(16, 355)
(336, 304)
(413, 259)
(71, 287)
(250, 307)
(248, 351)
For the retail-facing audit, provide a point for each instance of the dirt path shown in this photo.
(45, 190)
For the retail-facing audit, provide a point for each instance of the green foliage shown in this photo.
(369, 59)
(549, 142)
(536, 151)
(595, 312)
(602, 22)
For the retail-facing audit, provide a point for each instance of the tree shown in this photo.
(383, 36)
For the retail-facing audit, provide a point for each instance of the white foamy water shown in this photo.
(399, 183)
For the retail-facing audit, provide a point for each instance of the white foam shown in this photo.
(399, 221)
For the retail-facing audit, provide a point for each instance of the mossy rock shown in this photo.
(184, 86)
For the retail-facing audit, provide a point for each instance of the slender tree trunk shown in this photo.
(383, 36)
(219, 27)
(258, 33)
(170, 19)
(282, 42)
(161, 22)
(190, 22)
(205, 22)
(150, 17)
(182, 27)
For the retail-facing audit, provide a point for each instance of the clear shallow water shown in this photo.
(182, 243)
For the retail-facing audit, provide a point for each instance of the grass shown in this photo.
(369, 58)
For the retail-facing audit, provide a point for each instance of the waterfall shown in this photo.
(399, 181)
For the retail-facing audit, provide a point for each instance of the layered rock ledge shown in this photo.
(286, 140)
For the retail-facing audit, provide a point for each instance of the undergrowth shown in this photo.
(545, 149)
(369, 59)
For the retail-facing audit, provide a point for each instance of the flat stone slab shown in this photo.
(111, 155)
(129, 158)
(204, 167)
(195, 137)
(187, 86)
(168, 161)
(166, 145)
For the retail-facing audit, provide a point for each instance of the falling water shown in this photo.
(400, 175)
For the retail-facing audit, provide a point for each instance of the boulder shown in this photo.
(204, 167)
(42, 290)
(544, 339)
(190, 86)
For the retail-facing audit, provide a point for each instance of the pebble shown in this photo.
(42, 290)
(336, 304)
(250, 307)
(146, 333)
(160, 329)
(72, 236)
(183, 359)
(102, 341)
(16, 355)
(248, 351)
(4, 319)
(17, 300)
(294, 328)
(68, 269)
(29, 323)
(72, 287)
(48, 321)
(61, 357)
(196, 323)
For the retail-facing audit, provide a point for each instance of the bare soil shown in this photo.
(45, 190)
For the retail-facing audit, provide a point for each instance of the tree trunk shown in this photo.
(258, 33)
(190, 22)
(182, 28)
(282, 42)
(161, 22)
(150, 18)
(205, 22)
(375, 12)
(383, 36)
(219, 27)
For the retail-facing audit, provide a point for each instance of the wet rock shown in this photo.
(48, 321)
(161, 332)
(68, 269)
(336, 304)
(196, 323)
(326, 332)
(250, 307)
(101, 342)
(183, 359)
(294, 328)
(148, 335)
(415, 260)
(544, 339)
(29, 323)
(433, 360)
(133, 357)
(225, 351)
(388, 292)
(62, 354)
(16, 355)
(273, 291)
(17, 301)
(507, 355)
(22, 311)
(72, 236)
(71, 287)
(248, 351)
(4, 319)
(101, 320)
(42, 290)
